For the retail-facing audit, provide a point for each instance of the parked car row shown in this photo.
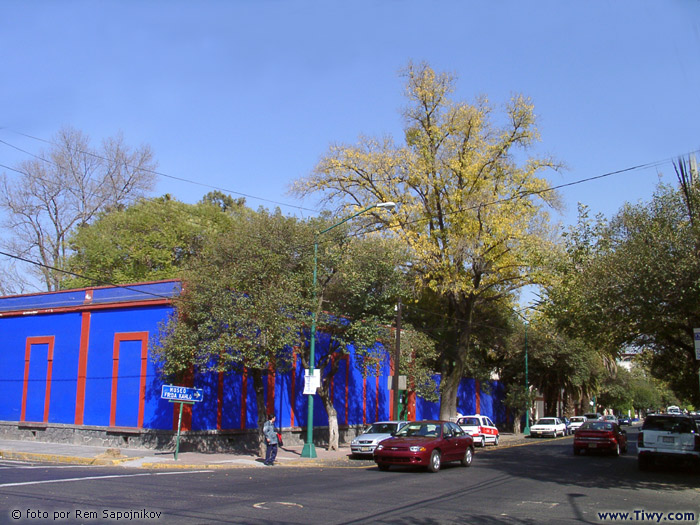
(430, 444)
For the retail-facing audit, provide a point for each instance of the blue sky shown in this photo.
(246, 96)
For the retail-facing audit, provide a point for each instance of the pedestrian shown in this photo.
(270, 440)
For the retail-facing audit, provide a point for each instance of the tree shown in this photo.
(67, 187)
(472, 216)
(639, 287)
(148, 241)
(359, 281)
(242, 305)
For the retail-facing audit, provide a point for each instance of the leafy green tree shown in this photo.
(473, 217)
(243, 303)
(360, 279)
(640, 287)
(150, 240)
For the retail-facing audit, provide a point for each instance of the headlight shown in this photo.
(417, 449)
(354, 442)
(379, 447)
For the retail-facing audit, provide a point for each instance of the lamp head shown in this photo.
(386, 205)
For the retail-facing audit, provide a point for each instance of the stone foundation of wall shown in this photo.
(200, 441)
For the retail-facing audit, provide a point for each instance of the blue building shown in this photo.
(76, 365)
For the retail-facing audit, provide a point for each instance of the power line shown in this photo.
(154, 172)
(100, 282)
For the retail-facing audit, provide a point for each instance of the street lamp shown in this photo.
(526, 430)
(309, 450)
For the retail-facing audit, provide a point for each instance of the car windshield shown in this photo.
(419, 429)
(577, 419)
(468, 421)
(597, 425)
(546, 421)
(381, 428)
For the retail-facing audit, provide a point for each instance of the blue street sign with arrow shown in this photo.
(181, 393)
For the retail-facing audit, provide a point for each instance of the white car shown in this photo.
(548, 426)
(575, 422)
(365, 443)
(480, 428)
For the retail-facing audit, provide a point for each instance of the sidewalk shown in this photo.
(156, 459)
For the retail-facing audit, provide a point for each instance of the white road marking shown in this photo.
(89, 478)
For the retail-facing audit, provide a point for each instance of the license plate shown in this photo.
(592, 445)
(668, 439)
(364, 449)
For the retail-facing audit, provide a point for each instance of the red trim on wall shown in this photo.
(49, 369)
(82, 367)
(118, 339)
(477, 395)
(244, 397)
(347, 387)
(364, 400)
(270, 401)
(294, 377)
(40, 340)
(376, 396)
(83, 308)
(219, 400)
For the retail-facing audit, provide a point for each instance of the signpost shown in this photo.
(185, 396)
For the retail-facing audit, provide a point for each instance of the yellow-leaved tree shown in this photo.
(471, 205)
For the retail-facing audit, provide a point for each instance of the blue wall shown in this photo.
(112, 312)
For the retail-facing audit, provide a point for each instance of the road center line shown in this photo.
(89, 478)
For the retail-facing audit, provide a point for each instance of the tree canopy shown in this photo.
(150, 240)
(472, 215)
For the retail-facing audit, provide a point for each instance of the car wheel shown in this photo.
(435, 461)
(468, 457)
(482, 443)
(383, 466)
(495, 442)
(616, 450)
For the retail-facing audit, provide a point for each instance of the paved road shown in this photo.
(541, 482)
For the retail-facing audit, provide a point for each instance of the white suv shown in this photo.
(668, 437)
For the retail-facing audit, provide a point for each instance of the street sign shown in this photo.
(181, 393)
(696, 336)
(312, 382)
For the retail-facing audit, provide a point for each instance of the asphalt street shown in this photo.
(538, 482)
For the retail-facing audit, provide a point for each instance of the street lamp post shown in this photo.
(526, 431)
(309, 450)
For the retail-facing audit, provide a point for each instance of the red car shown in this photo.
(600, 435)
(426, 444)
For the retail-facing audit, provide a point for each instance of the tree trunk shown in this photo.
(259, 388)
(449, 386)
(333, 435)
(453, 362)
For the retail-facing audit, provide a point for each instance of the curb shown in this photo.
(54, 458)
(339, 462)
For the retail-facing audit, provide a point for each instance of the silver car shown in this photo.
(365, 443)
